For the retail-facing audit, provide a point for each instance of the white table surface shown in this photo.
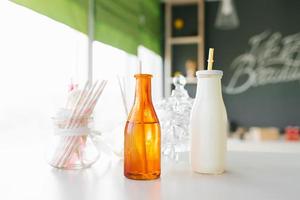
(277, 146)
(254, 176)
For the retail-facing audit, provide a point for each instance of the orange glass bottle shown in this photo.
(142, 134)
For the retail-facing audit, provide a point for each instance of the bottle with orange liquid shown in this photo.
(142, 135)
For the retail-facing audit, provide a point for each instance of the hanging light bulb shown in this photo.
(227, 16)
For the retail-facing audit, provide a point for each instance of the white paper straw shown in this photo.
(123, 94)
(88, 104)
(61, 147)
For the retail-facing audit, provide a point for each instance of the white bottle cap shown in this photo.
(207, 73)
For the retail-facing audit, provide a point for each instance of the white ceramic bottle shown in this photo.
(208, 125)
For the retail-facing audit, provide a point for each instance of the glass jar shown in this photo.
(73, 144)
(174, 115)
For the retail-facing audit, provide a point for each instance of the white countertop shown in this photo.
(275, 146)
(25, 175)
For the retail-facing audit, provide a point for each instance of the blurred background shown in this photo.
(47, 45)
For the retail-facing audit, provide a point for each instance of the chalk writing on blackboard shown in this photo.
(272, 59)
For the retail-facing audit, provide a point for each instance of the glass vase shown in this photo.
(142, 135)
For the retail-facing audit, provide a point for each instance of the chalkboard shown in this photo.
(260, 60)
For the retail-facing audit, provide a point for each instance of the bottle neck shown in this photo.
(143, 90)
(209, 87)
(143, 109)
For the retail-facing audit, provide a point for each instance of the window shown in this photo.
(38, 59)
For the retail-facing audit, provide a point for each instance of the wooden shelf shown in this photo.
(185, 40)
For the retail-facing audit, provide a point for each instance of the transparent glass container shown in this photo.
(174, 116)
(73, 147)
(142, 135)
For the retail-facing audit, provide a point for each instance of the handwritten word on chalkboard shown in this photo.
(272, 59)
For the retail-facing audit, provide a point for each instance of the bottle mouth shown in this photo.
(209, 73)
(143, 75)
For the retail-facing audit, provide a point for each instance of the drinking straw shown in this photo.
(71, 144)
(79, 100)
(140, 67)
(71, 120)
(94, 99)
(144, 136)
(88, 105)
(210, 60)
(90, 91)
(78, 110)
(144, 153)
(98, 95)
(81, 95)
(123, 93)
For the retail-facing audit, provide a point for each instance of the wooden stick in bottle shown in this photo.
(210, 60)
